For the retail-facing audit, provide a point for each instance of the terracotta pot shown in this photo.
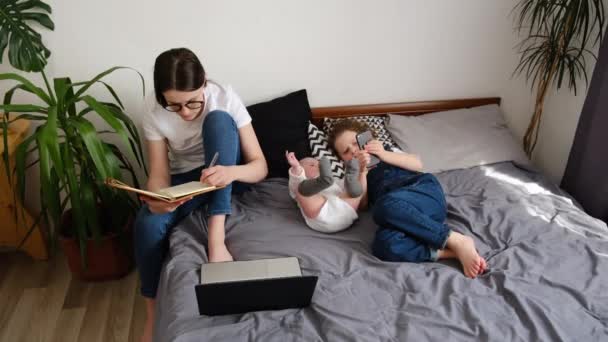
(107, 259)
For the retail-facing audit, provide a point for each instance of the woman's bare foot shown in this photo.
(146, 335)
(217, 247)
(464, 247)
(219, 253)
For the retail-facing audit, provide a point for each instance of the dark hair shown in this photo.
(344, 125)
(177, 69)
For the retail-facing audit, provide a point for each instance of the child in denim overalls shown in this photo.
(408, 206)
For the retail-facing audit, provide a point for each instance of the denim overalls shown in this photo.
(409, 209)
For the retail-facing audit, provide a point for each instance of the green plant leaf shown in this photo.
(126, 165)
(95, 79)
(8, 108)
(108, 116)
(89, 206)
(28, 86)
(79, 221)
(112, 160)
(49, 138)
(135, 142)
(20, 157)
(8, 96)
(114, 95)
(65, 93)
(26, 51)
(41, 18)
(28, 117)
(51, 164)
(134, 139)
(94, 146)
(29, 3)
(558, 34)
(49, 183)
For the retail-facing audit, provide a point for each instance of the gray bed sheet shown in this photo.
(548, 276)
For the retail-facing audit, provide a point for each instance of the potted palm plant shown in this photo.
(558, 36)
(73, 155)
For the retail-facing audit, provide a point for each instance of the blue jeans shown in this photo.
(152, 230)
(410, 210)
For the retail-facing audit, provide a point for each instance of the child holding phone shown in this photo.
(408, 205)
(362, 139)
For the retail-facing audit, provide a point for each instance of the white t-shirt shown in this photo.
(185, 138)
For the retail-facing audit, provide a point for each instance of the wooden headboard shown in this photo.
(401, 108)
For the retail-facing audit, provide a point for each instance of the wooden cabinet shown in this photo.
(14, 228)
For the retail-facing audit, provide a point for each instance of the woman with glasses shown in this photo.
(191, 120)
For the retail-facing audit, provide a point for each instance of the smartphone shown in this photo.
(362, 140)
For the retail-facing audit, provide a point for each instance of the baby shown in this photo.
(325, 204)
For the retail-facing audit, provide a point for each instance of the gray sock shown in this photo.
(311, 187)
(351, 179)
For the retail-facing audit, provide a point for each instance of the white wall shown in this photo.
(341, 51)
(561, 113)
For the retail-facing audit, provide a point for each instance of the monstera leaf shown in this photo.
(25, 48)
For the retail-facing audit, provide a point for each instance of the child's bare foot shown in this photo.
(219, 254)
(483, 266)
(464, 247)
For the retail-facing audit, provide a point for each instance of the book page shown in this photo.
(120, 185)
(186, 189)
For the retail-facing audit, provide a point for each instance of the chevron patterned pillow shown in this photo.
(320, 148)
(375, 123)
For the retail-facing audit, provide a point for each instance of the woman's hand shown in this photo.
(364, 158)
(376, 148)
(162, 207)
(218, 175)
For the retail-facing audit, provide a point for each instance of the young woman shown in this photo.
(408, 206)
(192, 119)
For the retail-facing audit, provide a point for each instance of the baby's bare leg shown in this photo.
(353, 202)
(311, 205)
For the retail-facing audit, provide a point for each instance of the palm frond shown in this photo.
(554, 27)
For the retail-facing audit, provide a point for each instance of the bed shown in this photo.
(547, 277)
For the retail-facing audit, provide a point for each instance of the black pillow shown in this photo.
(281, 124)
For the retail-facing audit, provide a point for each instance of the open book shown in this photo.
(170, 194)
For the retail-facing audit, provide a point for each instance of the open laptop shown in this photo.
(254, 285)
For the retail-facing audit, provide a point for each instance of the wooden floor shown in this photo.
(39, 301)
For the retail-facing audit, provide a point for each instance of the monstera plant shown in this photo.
(558, 36)
(71, 143)
(26, 51)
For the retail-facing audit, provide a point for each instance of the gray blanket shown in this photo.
(548, 276)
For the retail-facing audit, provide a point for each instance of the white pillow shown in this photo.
(457, 139)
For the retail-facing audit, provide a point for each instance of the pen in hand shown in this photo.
(211, 164)
(213, 160)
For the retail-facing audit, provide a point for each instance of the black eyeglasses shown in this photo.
(176, 107)
(190, 105)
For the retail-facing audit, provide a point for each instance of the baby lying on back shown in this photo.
(328, 205)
